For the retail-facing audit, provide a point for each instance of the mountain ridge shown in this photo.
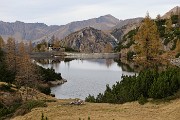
(40, 31)
(37, 32)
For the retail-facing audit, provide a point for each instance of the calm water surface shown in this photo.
(85, 77)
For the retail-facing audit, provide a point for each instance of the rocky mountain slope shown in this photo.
(174, 11)
(127, 21)
(89, 40)
(102, 23)
(38, 31)
(25, 31)
(124, 27)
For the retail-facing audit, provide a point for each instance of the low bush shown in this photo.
(49, 74)
(29, 105)
(142, 100)
(6, 88)
(130, 55)
(177, 55)
(8, 110)
(90, 99)
(68, 49)
(44, 89)
(148, 84)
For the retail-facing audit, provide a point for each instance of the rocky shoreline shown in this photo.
(74, 55)
(91, 55)
(57, 82)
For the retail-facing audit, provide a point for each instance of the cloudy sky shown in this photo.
(59, 12)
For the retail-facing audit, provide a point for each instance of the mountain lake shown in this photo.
(84, 77)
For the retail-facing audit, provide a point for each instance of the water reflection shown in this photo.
(132, 66)
(53, 61)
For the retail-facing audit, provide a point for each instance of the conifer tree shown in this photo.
(147, 39)
(11, 55)
(158, 17)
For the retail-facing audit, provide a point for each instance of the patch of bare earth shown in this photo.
(61, 110)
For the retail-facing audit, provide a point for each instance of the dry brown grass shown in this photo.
(61, 110)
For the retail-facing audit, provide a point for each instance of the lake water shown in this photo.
(85, 77)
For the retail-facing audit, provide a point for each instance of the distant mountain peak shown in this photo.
(40, 31)
(112, 17)
(108, 15)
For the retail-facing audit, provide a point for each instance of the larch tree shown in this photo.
(168, 24)
(30, 47)
(43, 48)
(26, 71)
(11, 57)
(56, 43)
(1, 42)
(108, 48)
(178, 46)
(147, 39)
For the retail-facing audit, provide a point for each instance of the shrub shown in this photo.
(33, 104)
(166, 41)
(4, 110)
(177, 55)
(49, 74)
(44, 89)
(130, 55)
(148, 84)
(68, 49)
(27, 106)
(142, 100)
(90, 99)
(6, 88)
(174, 19)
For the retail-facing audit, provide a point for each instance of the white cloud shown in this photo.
(64, 11)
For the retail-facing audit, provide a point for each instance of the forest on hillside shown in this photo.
(162, 34)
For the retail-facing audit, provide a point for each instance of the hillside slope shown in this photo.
(173, 11)
(89, 40)
(61, 110)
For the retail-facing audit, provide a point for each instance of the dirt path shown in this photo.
(61, 110)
